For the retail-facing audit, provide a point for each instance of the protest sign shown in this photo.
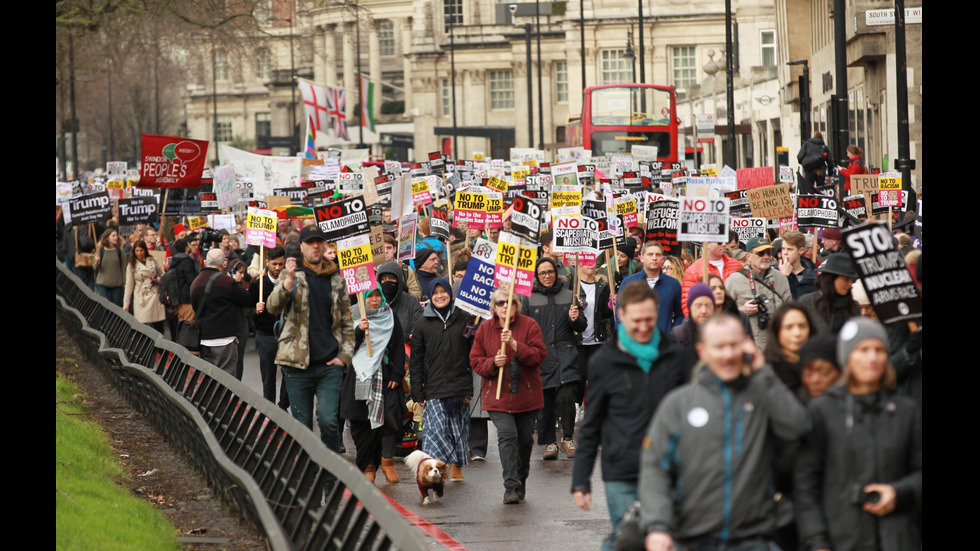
(861, 183)
(574, 233)
(537, 187)
(350, 183)
(260, 227)
(62, 192)
(586, 175)
(497, 184)
(406, 237)
(477, 284)
(401, 200)
(138, 210)
(383, 183)
(565, 200)
(751, 178)
(661, 223)
(439, 222)
(703, 219)
(209, 201)
(644, 152)
(436, 184)
(377, 245)
(884, 273)
(738, 201)
(470, 207)
(525, 219)
(225, 188)
(297, 195)
(559, 170)
(917, 230)
(508, 245)
(421, 194)
(786, 175)
(495, 210)
(115, 188)
(747, 228)
(392, 167)
(85, 209)
(171, 162)
(357, 263)
(626, 211)
(341, 219)
(771, 202)
(856, 206)
(709, 186)
(197, 222)
(816, 211)
(878, 208)
(526, 259)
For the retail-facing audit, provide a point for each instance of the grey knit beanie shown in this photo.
(853, 332)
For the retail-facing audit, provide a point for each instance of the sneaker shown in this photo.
(521, 492)
(550, 452)
(511, 497)
(569, 447)
(479, 458)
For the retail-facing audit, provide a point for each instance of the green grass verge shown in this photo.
(94, 510)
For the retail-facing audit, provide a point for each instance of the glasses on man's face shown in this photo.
(547, 273)
(766, 252)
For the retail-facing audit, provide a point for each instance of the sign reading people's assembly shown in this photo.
(884, 273)
(171, 162)
(94, 207)
(342, 219)
(138, 210)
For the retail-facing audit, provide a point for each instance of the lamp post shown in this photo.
(903, 163)
(537, 23)
(630, 54)
(804, 100)
(360, 101)
(581, 28)
(214, 96)
(729, 83)
(642, 62)
(108, 79)
(530, 100)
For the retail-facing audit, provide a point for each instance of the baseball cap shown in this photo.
(309, 233)
(758, 244)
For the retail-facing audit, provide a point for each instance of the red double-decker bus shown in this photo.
(616, 117)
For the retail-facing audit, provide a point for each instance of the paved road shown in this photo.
(472, 513)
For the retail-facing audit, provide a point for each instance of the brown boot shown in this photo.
(455, 473)
(388, 467)
(370, 471)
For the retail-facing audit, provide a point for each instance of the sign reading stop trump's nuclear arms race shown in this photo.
(884, 273)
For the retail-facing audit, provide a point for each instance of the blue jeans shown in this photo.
(320, 382)
(619, 496)
(112, 294)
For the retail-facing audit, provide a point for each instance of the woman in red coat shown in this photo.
(855, 165)
(520, 395)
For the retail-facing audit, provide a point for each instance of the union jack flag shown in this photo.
(336, 105)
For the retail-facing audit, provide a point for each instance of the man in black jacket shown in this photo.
(551, 305)
(628, 376)
(220, 317)
(266, 343)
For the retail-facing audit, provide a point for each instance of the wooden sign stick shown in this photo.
(503, 345)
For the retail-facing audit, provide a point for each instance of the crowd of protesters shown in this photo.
(781, 410)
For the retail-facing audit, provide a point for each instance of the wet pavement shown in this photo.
(472, 516)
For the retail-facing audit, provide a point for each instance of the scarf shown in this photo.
(840, 310)
(369, 377)
(645, 354)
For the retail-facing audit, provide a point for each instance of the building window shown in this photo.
(684, 66)
(452, 11)
(615, 67)
(220, 65)
(501, 90)
(446, 93)
(263, 128)
(768, 43)
(386, 37)
(263, 64)
(561, 81)
(222, 128)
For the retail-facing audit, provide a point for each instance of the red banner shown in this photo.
(172, 162)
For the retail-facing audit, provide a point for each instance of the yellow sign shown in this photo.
(355, 256)
(527, 258)
(518, 175)
(561, 199)
(198, 222)
(529, 162)
(115, 184)
(626, 207)
(495, 205)
(132, 182)
(507, 254)
(477, 156)
(497, 184)
(889, 184)
(420, 186)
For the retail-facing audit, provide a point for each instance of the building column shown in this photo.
(350, 68)
(406, 47)
(330, 55)
(374, 66)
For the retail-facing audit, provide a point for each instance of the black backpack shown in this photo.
(168, 291)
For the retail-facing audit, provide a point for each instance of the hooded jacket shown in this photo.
(803, 283)
(884, 446)
(186, 269)
(440, 363)
(601, 312)
(548, 306)
(619, 403)
(695, 272)
(294, 341)
(406, 307)
(706, 466)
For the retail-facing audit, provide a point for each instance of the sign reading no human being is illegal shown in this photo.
(703, 219)
(884, 273)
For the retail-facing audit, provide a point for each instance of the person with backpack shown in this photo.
(814, 157)
(175, 285)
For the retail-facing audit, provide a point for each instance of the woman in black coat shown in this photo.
(858, 479)
(376, 428)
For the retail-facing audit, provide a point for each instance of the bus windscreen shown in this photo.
(630, 106)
